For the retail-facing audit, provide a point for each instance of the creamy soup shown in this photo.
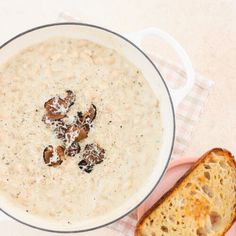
(127, 126)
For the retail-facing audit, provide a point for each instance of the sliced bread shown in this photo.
(202, 203)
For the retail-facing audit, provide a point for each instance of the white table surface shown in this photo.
(205, 28)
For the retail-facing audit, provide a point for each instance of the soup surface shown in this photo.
(127, 126)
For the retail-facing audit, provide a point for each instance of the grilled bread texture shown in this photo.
(202, 203)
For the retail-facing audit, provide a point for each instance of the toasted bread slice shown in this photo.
(202, 203)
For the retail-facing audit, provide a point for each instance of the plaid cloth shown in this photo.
(187, 115)
(189, 110)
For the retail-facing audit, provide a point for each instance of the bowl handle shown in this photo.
(177, 94)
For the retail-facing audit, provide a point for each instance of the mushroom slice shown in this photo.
(83, 165)
(57, 108)
(53, 158)
(93, 154)
(70, 98)
(75, 134)
(87, 118)
(90, 114)
(83, 133)
(59, 128)
(73, 149)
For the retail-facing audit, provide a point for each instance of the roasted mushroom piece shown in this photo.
(70, 98)
(90, 114)
(83, 165)
(85, 120)
(93, 154)
(75, 134)
(60, 128)
(73, 149)
(53, 158)
(57, 108)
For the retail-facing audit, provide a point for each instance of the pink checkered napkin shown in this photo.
(187, 115)
(189, 110)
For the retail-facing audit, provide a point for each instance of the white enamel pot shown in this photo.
(169, 99)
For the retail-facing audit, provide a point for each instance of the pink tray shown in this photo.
(176, 169)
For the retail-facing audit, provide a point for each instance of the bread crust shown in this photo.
(225, 152)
